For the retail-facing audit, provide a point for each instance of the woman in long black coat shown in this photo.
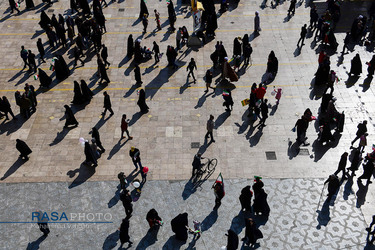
(44, 79)
(143, 9)
(44, 20)
(137, 74)
(61, 68)
(24, 150)
(69, 117)
(130, 46)
(124, 232)
(252, 233)
(78, 97)
(356, 66)
(86, 91)
(30, 4)
(142, 101)
(260, 203)
(245, 198)
(236, 47)
(90, 157)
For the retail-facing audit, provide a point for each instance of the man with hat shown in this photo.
(135, 155)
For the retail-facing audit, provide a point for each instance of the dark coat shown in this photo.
(143, 10)
(78, 97)
(29, 4)
(260, 203)
(61, 68)
(90, 157)
(179, 224)
(107, 102)
(130, 46)
(86, 91)
(245, 198)
(69, 116)
(40, 48)
(137, 74)
(356, 66)
(23, 148)
(142, 101)
(152, 216)
(232, 243)
(44, 79)
(124, 231)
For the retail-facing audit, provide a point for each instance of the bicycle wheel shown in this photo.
(212, 164)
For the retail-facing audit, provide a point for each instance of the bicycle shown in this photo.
(207, 167)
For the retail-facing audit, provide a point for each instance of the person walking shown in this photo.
(145, 23)
(126, 199)
(245, 198)
(218, 187)
(107, 104)
(371, 233)
(178, 38)
(142, 102)
(77, 53)
(13, 6)
(6, 108)
(24, 150)
(292, 7)
(24, 56)
(124, 128)
(137, 74)
(356, 66)
(171, 15)
(210, 128)
(368, 170)
(130, 50)
(135, 154)
(247, 51)
(252, 233)
(90, 156)
(156, 51)
(342, 166)
(69, 117)
(102, 71)
(256, 23)
(264, 111)
(362, 129)
(104, 55)
(333, 186)
(371, 66)
(346, 43)
(124, 233)
(157, 19)
(232, 242)
(208, 79)
(31, 60)
(302, 35)
(95, 135)
(192, 65)
(302, 124)
(228, 100)
(40, 47)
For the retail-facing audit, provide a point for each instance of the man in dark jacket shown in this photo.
(31, 60)
(126, 199)
(104, 55)
(107, 104)
(134, 153)
(264, 111)
(342, 166)
(333, 185)
(39, 44)
(302, 35)
(362, 129)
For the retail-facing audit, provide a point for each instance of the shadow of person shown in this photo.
(209, 221)
(245, 123)
(221, 119)
(188, 189)
(351, 80)
(101, 122)
(238, 222)
(185, 86)
(84, 173)
(348, 188)
(36, 244)
(297, 51)
(274, 108)
(149, 239)
(293, 149)
(202, 99)
(12, 125)
(323, 215)
(60, 136)
(16, 76)
(114, 200)
(173, 243)
(116, 148)
(123, 61)
(366, 83)
(254, 140)
(361, 194)
(16, 165)
(111, 241)
(319, 150)
(135, 118)
(131, 90)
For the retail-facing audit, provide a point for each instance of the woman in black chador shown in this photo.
(45, 21)
(130, 46)
(86, 91)
(69, 117)
(245, 198)
(142, 101)
(24, 150)
(179, 224)
(90, 157)
(356, 66)
(153, 218)
(44, 79)
(78, 97)
(30, 4)
(144, 10)
(61, 68)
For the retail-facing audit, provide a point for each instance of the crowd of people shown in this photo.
(86, 29)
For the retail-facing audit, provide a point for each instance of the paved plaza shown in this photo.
(55, 179)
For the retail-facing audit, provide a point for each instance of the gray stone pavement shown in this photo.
(293, 222)
(178, 114)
